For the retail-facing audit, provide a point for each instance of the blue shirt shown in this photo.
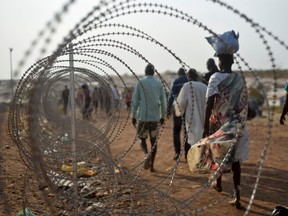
(175, 89)
(148, 100)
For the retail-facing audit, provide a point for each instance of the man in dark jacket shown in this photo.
(177, 121)
(212, 68)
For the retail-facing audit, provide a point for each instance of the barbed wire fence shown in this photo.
(71, 157)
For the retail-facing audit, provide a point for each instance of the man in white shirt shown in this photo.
(191, 101)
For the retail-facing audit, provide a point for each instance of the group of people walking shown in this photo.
(213, 111)
(83, 100)
(89, 101)
(204, 110)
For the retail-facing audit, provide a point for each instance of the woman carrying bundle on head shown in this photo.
(225, 138)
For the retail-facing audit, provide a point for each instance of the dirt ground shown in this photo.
(271, 191)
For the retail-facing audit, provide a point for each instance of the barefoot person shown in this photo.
(149, 109)
(225, 137)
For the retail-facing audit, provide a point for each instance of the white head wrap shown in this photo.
(226, 43)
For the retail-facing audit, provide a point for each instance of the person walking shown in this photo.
(226, 104)
(128, 99)
(177, 120)
(95, 98)
(285, 107)
(149, 109)
(65, 98)
(191, 101)
(225, 136)
(85, 101)
(212, 68)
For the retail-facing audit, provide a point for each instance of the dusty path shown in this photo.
(272, 189)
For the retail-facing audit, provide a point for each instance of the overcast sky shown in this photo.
(21, 21)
